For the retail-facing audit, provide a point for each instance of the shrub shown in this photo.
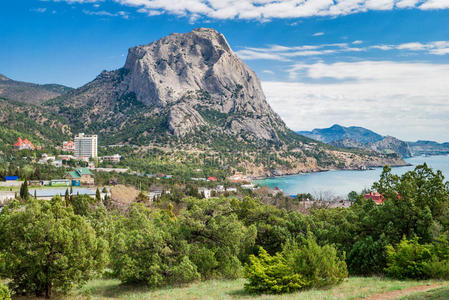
(271, 274)
(409, 259)
(4, 292)
(147, 248)
(319, 266)
(437, 269)
(295, 268)
(367, 256)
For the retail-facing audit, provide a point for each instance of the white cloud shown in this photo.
(122, 14)
(406, 100)
(284, 53)
(411, 46)
(251, 54)
(269, 9)
(379, 4)
(406, 3)
(437, 48)
(264, 10)
(382, 47)
(39, 10)
(435, 4)
(318, 34)
(77, 1)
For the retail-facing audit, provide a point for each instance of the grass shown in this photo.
(351, 288)
(436, 294)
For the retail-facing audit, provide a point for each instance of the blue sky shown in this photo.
(381, 64)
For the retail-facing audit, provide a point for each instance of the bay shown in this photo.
(341, 182)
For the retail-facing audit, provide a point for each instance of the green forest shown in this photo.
(51, 247)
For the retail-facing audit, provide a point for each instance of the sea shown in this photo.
(340, 182)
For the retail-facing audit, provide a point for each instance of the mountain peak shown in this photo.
(191, 77)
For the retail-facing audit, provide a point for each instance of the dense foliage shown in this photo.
(4, 292)
(46, 247)
(409, 259)
(177, 239)
(205, 241)
(415, 204)
(271, 274)
(296, 267)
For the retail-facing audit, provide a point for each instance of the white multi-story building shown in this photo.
(86, 146)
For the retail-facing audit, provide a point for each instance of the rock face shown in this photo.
(187, 76)
(359, 137)
(392, 144)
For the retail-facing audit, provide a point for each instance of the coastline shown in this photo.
(341, 181)
(262, 177)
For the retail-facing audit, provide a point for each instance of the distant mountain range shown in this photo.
(359, 137)
(429, 148)
(30, 93)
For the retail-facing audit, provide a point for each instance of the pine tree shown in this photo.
(98, 195)
(67, 198)
(24, 190)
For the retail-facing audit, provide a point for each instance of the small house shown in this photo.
(83, 175)
(23, 144)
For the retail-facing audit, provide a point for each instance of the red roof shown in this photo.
(211, 178)
(376, 197)
(24, 144)
(19, 142)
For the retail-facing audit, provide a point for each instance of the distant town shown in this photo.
(81, 163)
(80, 157)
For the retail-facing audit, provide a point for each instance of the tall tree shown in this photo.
(67, 198)
(54, 251)
(98, 196)
(24, 194)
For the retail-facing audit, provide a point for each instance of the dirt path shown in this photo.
(401, 293)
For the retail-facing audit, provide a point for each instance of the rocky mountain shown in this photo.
(393, 144)
(359, 137)
(29, 92)
(338, 133)
(190, 92)
(429, 148)
(183, 79)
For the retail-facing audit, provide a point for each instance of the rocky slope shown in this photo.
(393, 144)
(359, 137)
(29, 92)
(191, 91)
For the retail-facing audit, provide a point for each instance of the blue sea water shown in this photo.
(340, 182)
